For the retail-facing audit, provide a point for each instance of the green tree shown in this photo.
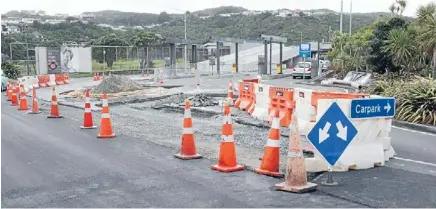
(104, 48)
(144, 39)
(401, 47)
(426, 19)
(164, 17)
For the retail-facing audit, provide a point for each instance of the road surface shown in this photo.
(53, 163)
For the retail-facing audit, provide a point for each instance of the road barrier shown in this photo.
(262, 102)
(371, 148)
(282, 100)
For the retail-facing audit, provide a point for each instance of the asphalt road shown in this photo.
(414, 145)
(53, 163)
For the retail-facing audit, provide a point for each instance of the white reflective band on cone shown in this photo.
(105, 103)
(273, 143)
(87, 110)
(275, 123)
(23, 97)
(35, 99)
(227, 138)
(187, 131)
(54, 103)
(87, 100)
(293, 154)
(105, 115)
(227, 119)
(188, 113)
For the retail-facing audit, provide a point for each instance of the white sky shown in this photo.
(75, 7)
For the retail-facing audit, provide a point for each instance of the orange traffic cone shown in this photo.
(35, 109)
(271, 157)
(105, 123)
(9, 92)
(187, 150)
(54, 112)
(230, 92)
(23, 99)
(14, 99)
(96, 77)
(87, 117)
(296, 179)
(102, 76)
(227, 156)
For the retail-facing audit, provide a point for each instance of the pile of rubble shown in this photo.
(116, 84)
(198, 100)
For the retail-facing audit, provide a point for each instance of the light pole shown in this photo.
(186, 35)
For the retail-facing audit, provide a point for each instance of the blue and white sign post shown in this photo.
(373, 108)
(331, 135)
(305, 51)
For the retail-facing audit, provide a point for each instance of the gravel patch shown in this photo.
(115, 84)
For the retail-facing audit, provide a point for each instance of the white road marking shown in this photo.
(419, 132)
(415, 161)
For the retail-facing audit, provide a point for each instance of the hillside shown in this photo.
(221, 21)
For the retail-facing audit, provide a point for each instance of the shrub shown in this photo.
(416, 99)
(10, 70)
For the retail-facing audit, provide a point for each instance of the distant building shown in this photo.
(9, 29)
(61, 15)
(30, 20)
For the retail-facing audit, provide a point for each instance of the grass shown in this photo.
(128, 65)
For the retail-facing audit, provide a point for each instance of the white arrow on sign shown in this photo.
(342, 131)
(387, 107)
(323, 133)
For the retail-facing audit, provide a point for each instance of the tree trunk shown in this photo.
(434, 63)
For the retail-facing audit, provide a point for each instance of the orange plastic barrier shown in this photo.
(246, 96)
(43, 80)
(282, 100)
(66, 78)
(316, 95)
(59, 79)
(253, 80)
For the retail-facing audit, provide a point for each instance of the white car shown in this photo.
(302, 69)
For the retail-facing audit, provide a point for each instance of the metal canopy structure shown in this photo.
(219, 40)
(173, 42)
(272, 39)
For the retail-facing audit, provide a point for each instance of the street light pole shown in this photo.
(186, 47)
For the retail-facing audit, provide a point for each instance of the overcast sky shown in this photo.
(76, 7)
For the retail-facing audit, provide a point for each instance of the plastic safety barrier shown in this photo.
(246, 96)
(282, 100)
(44, 80)
(67, 78)
(59, 79)
(262, 103)
(370, 147)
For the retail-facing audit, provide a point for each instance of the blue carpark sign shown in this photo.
(373, 108)
(332, 133)
(305, 50)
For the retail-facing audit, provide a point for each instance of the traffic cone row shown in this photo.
(96, 77)
(230, 92)
(23, 99)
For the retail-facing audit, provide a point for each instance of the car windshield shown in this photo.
(303, 65)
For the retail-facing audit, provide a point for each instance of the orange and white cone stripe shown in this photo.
(87, 117)
(14, 99)
(54, 110)
(188, 149)
(296, 178)
(227, 155)
(9, 92)
(230, 92)
(105, 123)
(35, 109)
(23, 99)
(271, 157)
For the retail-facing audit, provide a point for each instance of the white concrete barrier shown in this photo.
(303, 109)
(262, 101)
(371, 146)
(52, 80)
(28, 82)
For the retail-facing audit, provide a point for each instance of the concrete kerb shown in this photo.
(414, 126)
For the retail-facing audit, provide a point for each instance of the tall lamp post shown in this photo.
(186, 36)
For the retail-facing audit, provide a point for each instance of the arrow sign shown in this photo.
(332, 140)
(323, 133)
(373, 108)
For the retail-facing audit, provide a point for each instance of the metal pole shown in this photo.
(186, 47)
(304, 68)
(265, 65)
(281, 57)
(237, 57)
(342, 11)
(218, 58)
(301, 37)
(270, 56)
(10, 52)
(351, 14)
(27, 55)
(319, 66)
